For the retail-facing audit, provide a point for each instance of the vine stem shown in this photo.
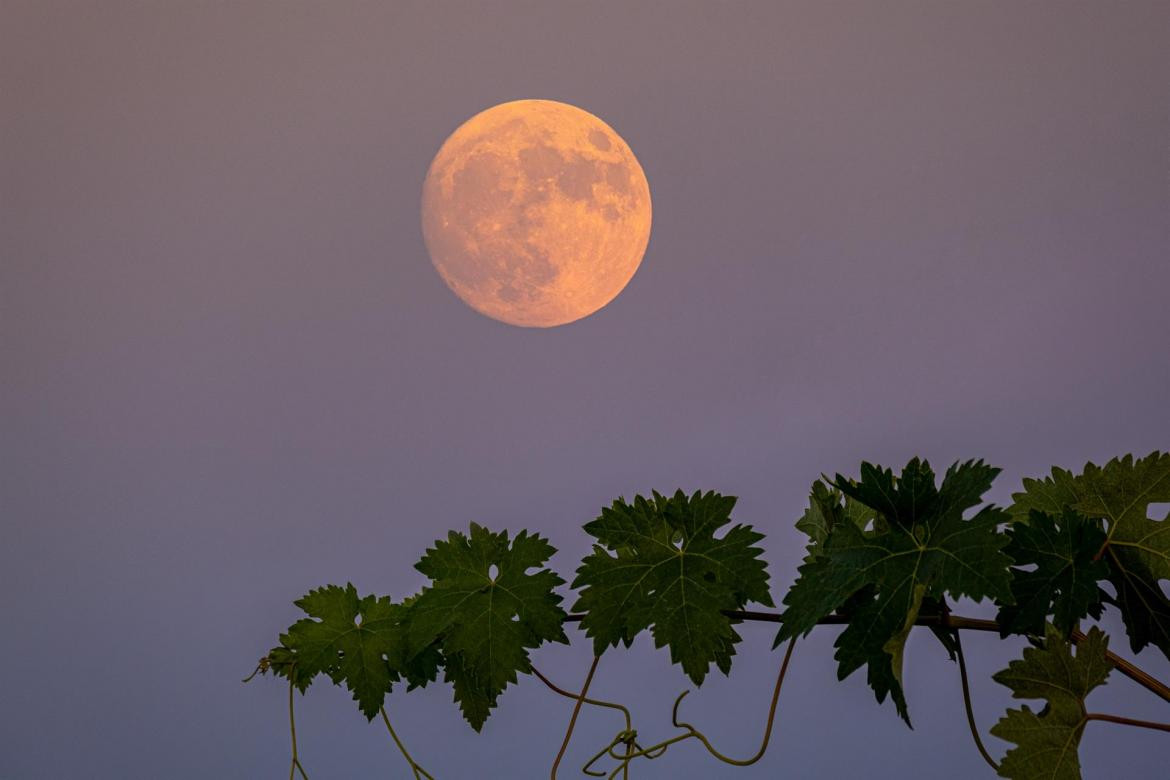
(633, 750)
(576, 711)
(292, 727)
(628, 730)
(991, 762)
(1143, 724)
(1128, 669)
(414, 767)
(1134, 673)
(767, 727)
(595, 702)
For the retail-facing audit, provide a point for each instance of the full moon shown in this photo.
(536, 213)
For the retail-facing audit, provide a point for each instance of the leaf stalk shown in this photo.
(418, 771)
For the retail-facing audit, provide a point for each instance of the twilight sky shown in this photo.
(229, 373)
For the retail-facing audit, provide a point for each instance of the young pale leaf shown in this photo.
(822, 512)
(358, 641)
(282, 662)
(920, 550)
(1136, 547)
(659, 565)
(1064, 581)
(826, 510)
(485, 611)
(1047, 742)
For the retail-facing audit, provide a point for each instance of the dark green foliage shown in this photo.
(885, 552)
(1047, 741)
(1136, 548)
(920, 547)
(1063, 582)
(659, 565)
(354, 640)
(485, 612)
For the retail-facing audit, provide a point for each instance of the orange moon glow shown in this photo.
(536, 213)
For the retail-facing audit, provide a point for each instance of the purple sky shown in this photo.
(229, 373)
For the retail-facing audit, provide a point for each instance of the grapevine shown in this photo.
(886, 553)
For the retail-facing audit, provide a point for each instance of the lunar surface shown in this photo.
(536, 213)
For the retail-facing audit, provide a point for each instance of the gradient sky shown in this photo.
(229, 373)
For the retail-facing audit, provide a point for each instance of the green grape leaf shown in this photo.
(358, 641)
(1047, 742)
(658, 564)
(1136, 547)
(921, 551)
(1064, 581)
(475, 700)
(900, 500)
(825, 510)
(484, 611)
(1144, 607)
(418, 665)
(282, 662)
(1050, 495)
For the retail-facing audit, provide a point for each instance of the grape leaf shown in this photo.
(920, 550)
(484, 611)
(358, 641)
(825, 510)
(1136, 547)
(476, 701)
(1064, 581)
(659, 565)
(1047, 742)
(282, 662)
(900, 500)
(417, 665)
(822, 513)
(1050, 495)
